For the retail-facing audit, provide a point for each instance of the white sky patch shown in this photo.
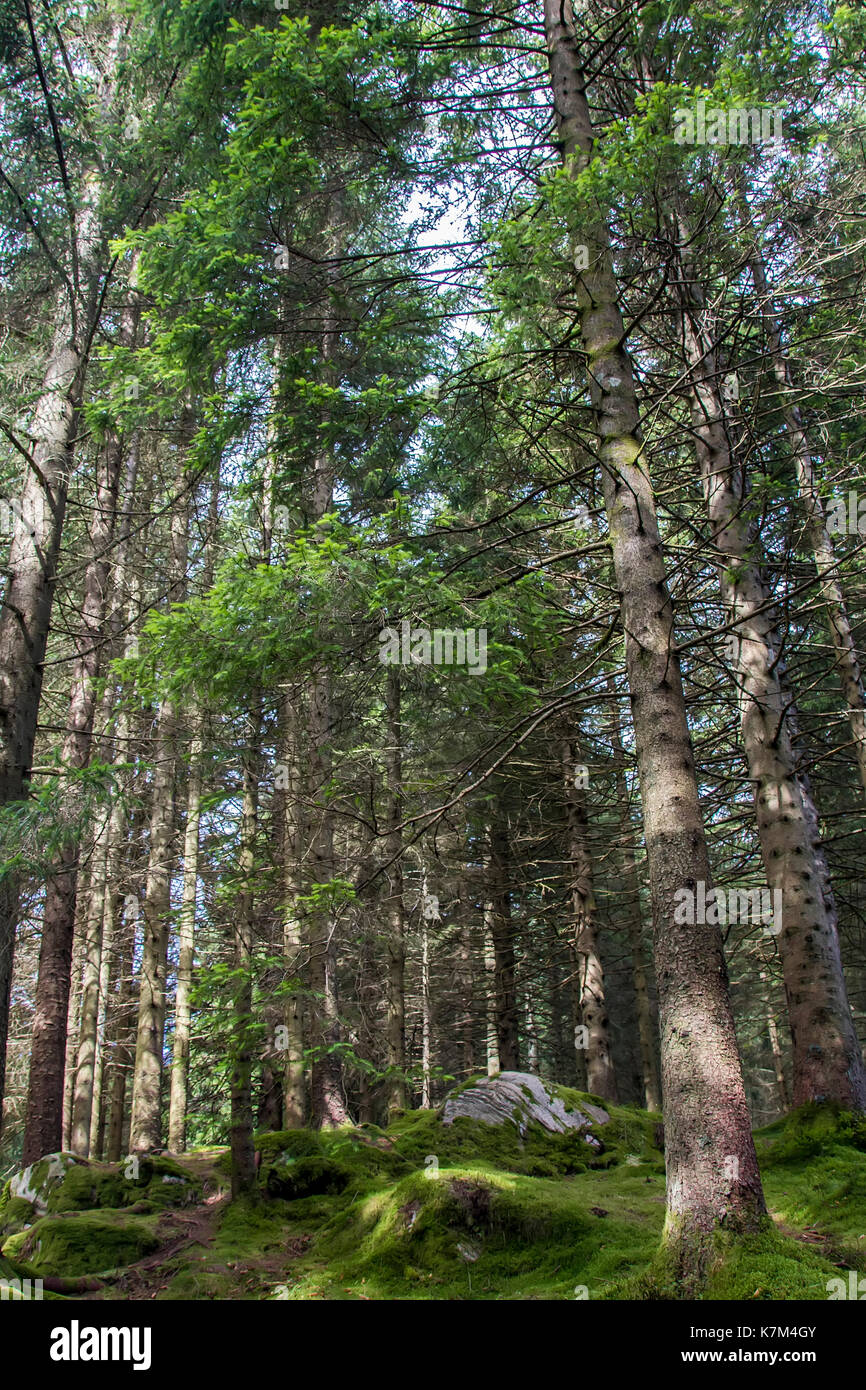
(446, 234)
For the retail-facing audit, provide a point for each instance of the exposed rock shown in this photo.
(521, 1099)
(62, 1183)
(36, 1183)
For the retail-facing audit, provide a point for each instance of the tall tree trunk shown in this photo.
(107, 968)
(146, 1123)
(580, 1069)
(492, 1035)
(775, 1046)
(293, 836)
(177, 1108)
(242, 1147)
(556, 1003)
(186, 955)
(600, 1072)
(122, 1029)
(532, 1038)
(73, 1019)
(647, 1030)
(830, 587)
(43, 1130)
(466, 979)
(32, 569)
(396, 939)
(712, 1170)
(329, 1107)
(502, 935)
(82, 1098)
(426, 1017)
(99, 921)
(289, 812)
(827, 1059)
(146, 1130)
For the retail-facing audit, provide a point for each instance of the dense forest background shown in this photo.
(434, 510)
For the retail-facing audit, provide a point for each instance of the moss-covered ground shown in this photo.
(427, 1211)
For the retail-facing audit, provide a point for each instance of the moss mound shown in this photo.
(288, 1144)
(479, 1233)
(424, 1210)
(83, 1243)
(15, 1213)
(148, 1184)
(307, 1177)
(629, 1136)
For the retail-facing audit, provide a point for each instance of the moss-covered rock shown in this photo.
(15, 1215)
(287, 1144)
(807, 1132)
(466, 1210)
(520, 1099)
(146, 1183)
(82, 1243)
(39, 1181)
(307, 1177)
(628, 1137)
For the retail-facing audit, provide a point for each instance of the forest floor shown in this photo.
(422, 1210)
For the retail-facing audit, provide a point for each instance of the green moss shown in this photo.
(367, 1153)
(807, 1132)
(288, 1143)
(83, 1243)
(475, 1232)
(307, 1177)
(89, 1187)
(169, 1184)
(157, 1183)
(244, 1260)
(366, 1212)
(39, 1181)
(630, 1134)
(15, 1215)
(20, 1274)
(765, 1266)
(814, 1169)
(768, 1266)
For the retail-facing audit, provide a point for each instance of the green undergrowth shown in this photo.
(767, 1265)
(423, 1210)
(477, 1231)
(148, 1185)
(814, 1168)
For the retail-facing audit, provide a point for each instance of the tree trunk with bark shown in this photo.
(712, 1170)
(32, 566)
(827, 1059)
(396, 938)
(146, 1123)
(847, 659)
(647, 1030)
(242, 1147)
(600, 1071)
(293, 835)
(186, 954)
(501, 929)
